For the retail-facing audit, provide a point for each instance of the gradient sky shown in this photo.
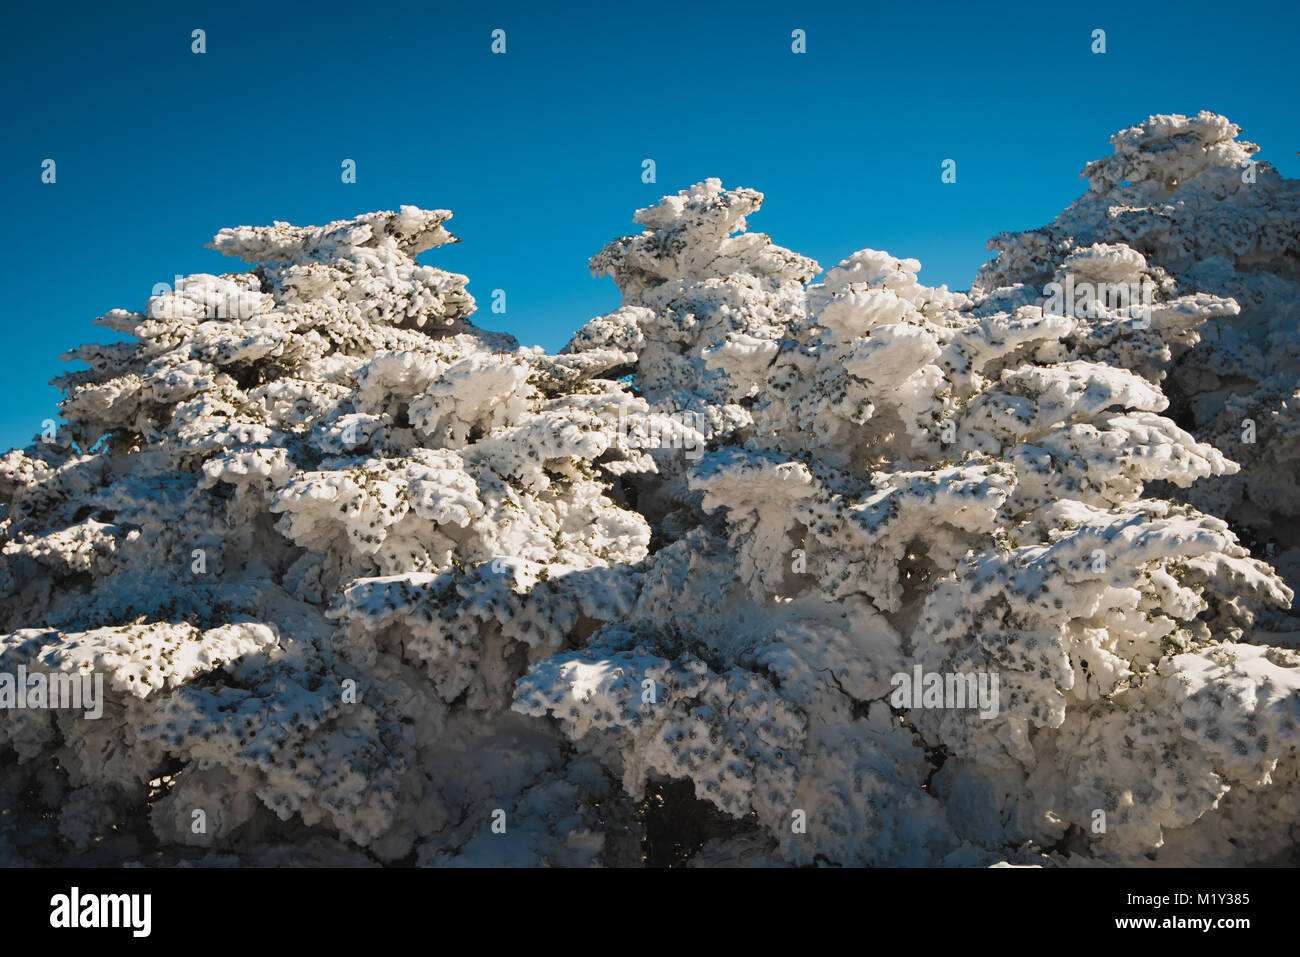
(539, 151)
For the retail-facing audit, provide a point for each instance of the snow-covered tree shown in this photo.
(929, 485)
(1184, 199)
(311, 524)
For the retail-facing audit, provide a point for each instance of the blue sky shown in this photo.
(539, 151)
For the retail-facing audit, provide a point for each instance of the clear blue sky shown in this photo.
(539, 151)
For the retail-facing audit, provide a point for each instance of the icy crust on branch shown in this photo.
(1183, 200)
(956, 486)
(365, 264)
(310, 525)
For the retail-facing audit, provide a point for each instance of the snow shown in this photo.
(370, 584)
